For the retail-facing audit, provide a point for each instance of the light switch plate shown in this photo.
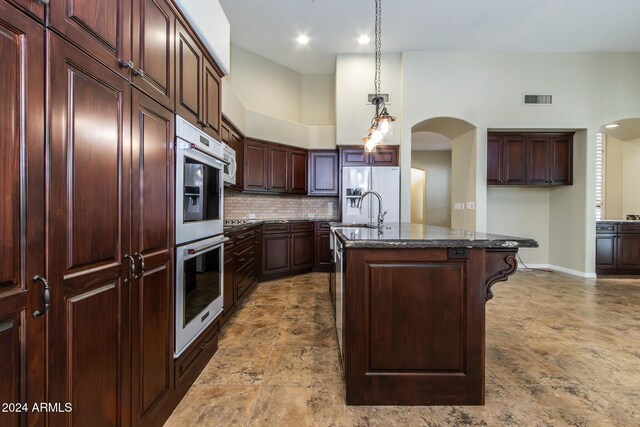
(471, 206)
(310, 215)
(251, 216)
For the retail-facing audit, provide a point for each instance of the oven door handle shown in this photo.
(193, 251)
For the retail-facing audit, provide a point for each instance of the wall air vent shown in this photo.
(384, 96)
(537, 99)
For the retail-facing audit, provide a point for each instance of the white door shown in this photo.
(355, 182)
(386, 182)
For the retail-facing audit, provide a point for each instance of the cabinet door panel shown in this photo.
(152, 326)
(323, 250)
(89, 219)
(22, 183)
(102, 28)
(513, 159)
(302, 251)
(629, 251)
(538, 160)
(323, 173)
(494, 160)
(384, 156)
(353, 157)
(276, 250)
(561, 160)
(31, 7)
(153, 49)
(278, 169)
(211, 111)
(188, 76)
(606, 252)
(255, 166)
(298, 172)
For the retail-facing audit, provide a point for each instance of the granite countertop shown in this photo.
(421, 236)
(626, 221)
(238, 227)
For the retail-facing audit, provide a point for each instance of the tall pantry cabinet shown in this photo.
(86, 225)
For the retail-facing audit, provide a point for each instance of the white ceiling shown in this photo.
(269, 28)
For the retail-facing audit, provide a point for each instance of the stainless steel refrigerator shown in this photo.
(385, 180)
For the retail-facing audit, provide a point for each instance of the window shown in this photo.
(600, 164)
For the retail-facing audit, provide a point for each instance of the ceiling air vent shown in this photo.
(384, 96)
(537, 99)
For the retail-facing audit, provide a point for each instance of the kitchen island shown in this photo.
(410, 310)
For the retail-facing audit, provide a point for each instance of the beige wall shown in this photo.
(354, 81)
(631, 179)
(418, 196)
(613, 178)
(521, 211)
(463, 179)
(272, 102)
(437, 165)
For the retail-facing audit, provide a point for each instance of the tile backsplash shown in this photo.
(242, 206)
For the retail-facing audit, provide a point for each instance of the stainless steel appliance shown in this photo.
(231, 166)
(199, 183)
(339, 260)
(199, 288)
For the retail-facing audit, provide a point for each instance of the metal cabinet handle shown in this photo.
(242, 259)
(132, 269)
(205, 345)
(139, 72)
(42, 2)
(139, 255)
(125, 64)
(46, 296)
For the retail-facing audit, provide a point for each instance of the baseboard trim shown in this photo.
(560, 269)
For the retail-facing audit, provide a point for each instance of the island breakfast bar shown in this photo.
(410, 310)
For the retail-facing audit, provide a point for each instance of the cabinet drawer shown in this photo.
(196, 357)
(244, 236)
(323, 226)
(245, 282)
(301, 226)
(628, 228)
(606, 228)
(275, 228)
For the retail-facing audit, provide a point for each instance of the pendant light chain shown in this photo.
(378, 45)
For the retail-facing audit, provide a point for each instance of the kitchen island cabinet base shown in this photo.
(414, 323)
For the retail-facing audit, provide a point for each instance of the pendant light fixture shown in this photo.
(381, 122)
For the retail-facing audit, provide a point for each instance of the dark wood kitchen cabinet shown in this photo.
(505, 159)
(229, 276)
(287, 248)
(617, 247)
(323, 173)
(529, 158)
(323, 255)
(89, 227)
(31, 7)
(386, 155)
(198, 94)
(22, 197)
(152, 245)
(231, 136)
(255, 166)
(153, 50)
(274, 168)
(100, 28)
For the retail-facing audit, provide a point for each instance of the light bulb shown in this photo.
(376, 136)
(370, 146)
(384, 127)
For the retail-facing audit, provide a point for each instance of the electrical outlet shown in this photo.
(251, 216)
(471, 206)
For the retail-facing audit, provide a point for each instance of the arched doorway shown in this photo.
(444, 148)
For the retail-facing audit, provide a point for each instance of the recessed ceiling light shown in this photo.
(364, 39)
(612, 125)
(303, 39)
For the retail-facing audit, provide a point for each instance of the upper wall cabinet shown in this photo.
(274, 168)
(102, 28)
(505, 159)
(323, 173)
(152, 62)
(356, 156)
(197, 84)
(537, 159)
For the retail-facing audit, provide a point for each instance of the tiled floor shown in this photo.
(560, 351)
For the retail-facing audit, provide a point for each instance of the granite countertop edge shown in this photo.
(237, 227)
